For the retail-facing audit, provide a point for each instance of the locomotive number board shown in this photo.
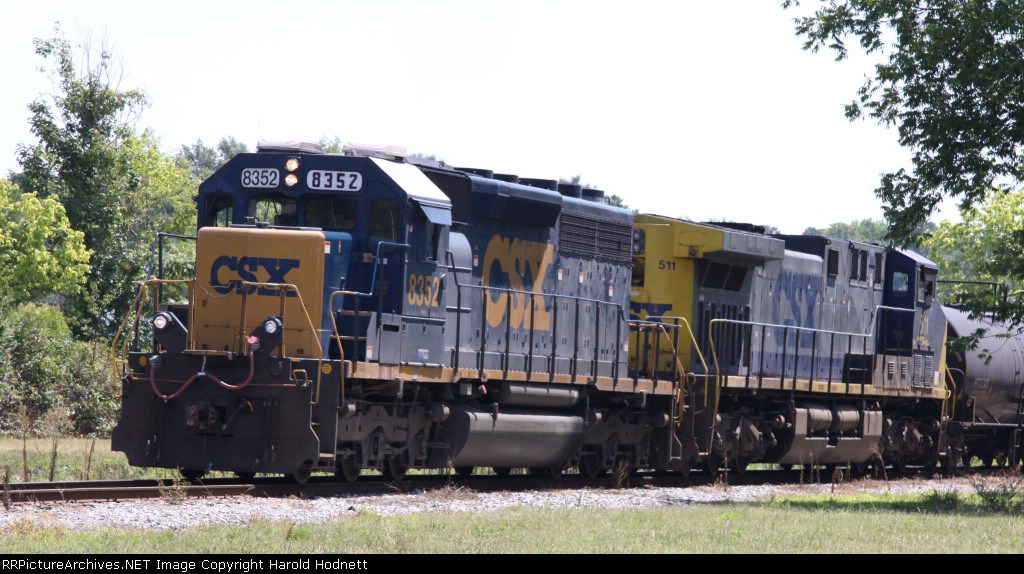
(260, 177)
(334, 180)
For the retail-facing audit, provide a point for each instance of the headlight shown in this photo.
(270, 327)
(160, 321)
(291, 179)
(292, 164)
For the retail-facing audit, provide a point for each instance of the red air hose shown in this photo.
(156, 391)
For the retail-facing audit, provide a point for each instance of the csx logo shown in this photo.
(246, 269)
(521, 265)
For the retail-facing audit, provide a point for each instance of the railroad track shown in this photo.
(116, 490)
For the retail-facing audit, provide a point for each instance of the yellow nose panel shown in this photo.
(229, 260)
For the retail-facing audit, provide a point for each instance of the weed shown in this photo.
(621, 472)
(88, 460)
(296, 533)
(56, 424)
(947, 501)
(1001, 494)
(7, 489)
(174, 492)
(24, 422)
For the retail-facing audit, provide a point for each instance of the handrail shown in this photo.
(652, 323)
(135, 312)
(951, 382)
(449, 265)
(874, 320)
(796, 352)
(283, 287)
(693, 339)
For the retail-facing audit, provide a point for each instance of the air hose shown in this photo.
(203, 373)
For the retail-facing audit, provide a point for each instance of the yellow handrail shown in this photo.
(718, 369)
(135, 312)
(680, 322)
(316, 332)
(337, 337)
(952, 393)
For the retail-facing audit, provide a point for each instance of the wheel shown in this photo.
(786, 467)
(246, 476)
(967, 460)
(739, 465)
(191, 474)
(502, 471)
(302, 475)
(394, 468)
(687, 467)
(713, 464)
(464, 471)
(348, 469)
(591, 468)
(899, 465)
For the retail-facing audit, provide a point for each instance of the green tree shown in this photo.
(863, 230)
(39, 252)
(116, 187)
(981, 247)
(332, 144)
(41, 364)
(613, 200)
(202, 160)
(949, 80)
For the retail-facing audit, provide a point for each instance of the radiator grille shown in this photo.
(595, 237)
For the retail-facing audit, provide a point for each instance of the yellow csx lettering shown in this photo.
(423, 291)
(518, 260)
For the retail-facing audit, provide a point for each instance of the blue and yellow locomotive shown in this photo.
(359, 311)
(365, 310)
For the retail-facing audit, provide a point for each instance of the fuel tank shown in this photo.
(995, 384)
(519, 438)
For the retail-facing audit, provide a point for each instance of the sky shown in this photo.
(703, 110)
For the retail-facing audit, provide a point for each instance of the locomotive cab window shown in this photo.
(383, 221)
(276, 212)
(833, 263)
(926, 289)
(430, 241)
(333, 214)
(900, 283)
(220, 211)
(638, 272)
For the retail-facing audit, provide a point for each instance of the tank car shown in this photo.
(360, 310)
(987, 418)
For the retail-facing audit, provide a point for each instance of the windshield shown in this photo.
(335, 214)
(277, 212)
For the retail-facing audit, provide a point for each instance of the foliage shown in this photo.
(978, 246)
(201, 160)
(949, 79)
(612, 200)
(332, 144)
(41, 365)
(863, 230)
(873, 231)
(985, 245)
(39, 252)
(115, 185)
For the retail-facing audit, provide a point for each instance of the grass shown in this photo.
(73, 459)
(778, 526)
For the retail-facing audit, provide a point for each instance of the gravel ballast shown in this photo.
(172, 515)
